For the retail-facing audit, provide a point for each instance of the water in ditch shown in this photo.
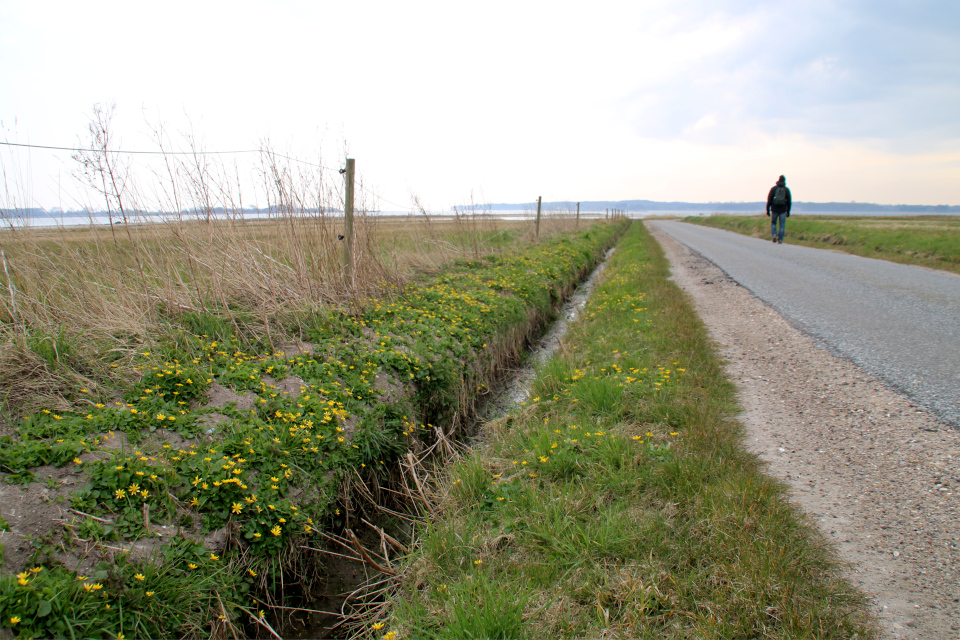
(515, 387)
(345, 576)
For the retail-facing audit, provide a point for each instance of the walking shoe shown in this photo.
(779, 241)
(774, 240)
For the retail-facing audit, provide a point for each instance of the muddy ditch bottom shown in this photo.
(323, 620)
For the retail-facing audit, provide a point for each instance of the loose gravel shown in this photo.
(877, 472)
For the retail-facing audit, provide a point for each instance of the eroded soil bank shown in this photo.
(878, 474)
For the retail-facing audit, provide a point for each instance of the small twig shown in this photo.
(326, 613)
(416, 479)
(330, 553)
(226, 618)
(81, 513)
(366, 556)
(263, 623)
(383, 534)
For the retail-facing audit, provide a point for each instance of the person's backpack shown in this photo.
(780, 196)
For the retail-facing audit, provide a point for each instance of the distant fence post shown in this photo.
(538, 216)
(578, 215)
(348, 221)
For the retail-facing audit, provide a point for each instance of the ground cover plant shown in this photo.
(190, 513)
(928, 241)
(619, 501)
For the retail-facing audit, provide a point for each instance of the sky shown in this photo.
(674, 100)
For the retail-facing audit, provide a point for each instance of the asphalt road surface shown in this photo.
(899, 322)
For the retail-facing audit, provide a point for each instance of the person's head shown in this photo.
(782, 180)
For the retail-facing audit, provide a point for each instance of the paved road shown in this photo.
(901, 323)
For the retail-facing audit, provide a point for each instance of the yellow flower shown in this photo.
(140, 577)
(36, 570)
(276, 530)
(150, 593)
(194, 502)
(192, 566)
(77, 461)
(390, 636)
(377, 626)
(15, 620)
(237, 507)
(252, 572)
(214, 556)
(256, 535)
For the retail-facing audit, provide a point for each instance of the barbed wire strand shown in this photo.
(200, 153)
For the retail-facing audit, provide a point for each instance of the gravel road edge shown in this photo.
(877, 473)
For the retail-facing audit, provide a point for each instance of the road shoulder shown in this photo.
(879, 475)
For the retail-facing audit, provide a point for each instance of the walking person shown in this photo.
(778, 203)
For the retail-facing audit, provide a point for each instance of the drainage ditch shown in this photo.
(344, 576)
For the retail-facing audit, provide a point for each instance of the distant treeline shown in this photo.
(585, 205)
(733, 207)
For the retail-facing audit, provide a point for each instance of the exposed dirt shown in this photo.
(879, 475)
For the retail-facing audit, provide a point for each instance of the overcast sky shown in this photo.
(662, 100)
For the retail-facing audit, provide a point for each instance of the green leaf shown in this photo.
(44, 608)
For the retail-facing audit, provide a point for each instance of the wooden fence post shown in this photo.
(578, 215)
(348, 221)
(538, 216)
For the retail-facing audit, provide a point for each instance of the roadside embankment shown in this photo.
(620, 501)
(191, 505)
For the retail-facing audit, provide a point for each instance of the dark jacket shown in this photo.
(779, 208)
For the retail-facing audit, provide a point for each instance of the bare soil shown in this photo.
(877, 473)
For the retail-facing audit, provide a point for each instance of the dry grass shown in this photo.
(76, 303)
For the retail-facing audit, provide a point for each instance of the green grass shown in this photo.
(929, 241)
(620, 501)
(273, 475)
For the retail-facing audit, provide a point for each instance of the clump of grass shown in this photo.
(620, 501)
(929, 241)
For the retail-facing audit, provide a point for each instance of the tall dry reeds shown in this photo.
(77, 303)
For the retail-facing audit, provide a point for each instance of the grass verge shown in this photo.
(928, 241)
(620, 501)
(206, 509)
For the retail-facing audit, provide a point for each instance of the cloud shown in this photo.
(886, 71)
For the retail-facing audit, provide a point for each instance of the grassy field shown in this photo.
(929, 241)
(620, 501)
(188, 518)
